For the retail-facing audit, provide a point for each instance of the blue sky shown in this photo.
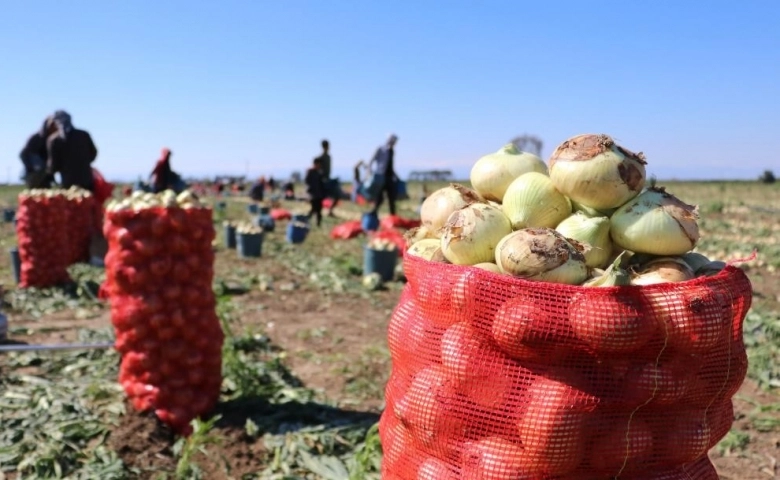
(253, 86)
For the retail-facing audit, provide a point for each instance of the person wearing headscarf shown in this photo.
(162, 175)
(382, 164)
(71, 152)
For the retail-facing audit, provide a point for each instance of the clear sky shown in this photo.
(253, 86)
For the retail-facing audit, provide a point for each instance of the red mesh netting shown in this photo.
(159, 271)
(494, 377)
(42, 234)
(80, 226)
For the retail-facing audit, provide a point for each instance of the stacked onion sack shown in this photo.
(159, 271)
(80, 223)
(42, 232)
(556, 325)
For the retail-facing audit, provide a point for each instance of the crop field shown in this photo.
(305, 359)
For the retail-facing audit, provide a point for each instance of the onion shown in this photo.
(522, 330)
(591, 212)
(437, 208)
(435, 469)
(694, 319)
(611, 323)
(541, 254)
(655, 222)
(489, 266)
(469, 358)
(416, 234)
(531, 200)
(695, 260)
(471, 234)
(622, 447)
(660, 383)
(492, 174)
(553, 428)
(712, 268)
(663, 270)
(593, 232)
(429, 249)
(687, 436)
(613, 276)
(493, 458)
(596, 172)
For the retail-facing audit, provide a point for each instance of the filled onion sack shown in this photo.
(498, 377)
(159, 271)
(43, 236)
(80, 224)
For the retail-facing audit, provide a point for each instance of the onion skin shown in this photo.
(437, 208)
(531, 200)
(489, 266)
(471, 234)
(492, 174)
(593, 232)
(594, 171)
(541, 254)
(656, 223)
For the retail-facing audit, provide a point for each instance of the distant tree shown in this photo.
(767, 177)
(529, 143)
(296, 177)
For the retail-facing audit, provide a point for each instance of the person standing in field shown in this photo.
(315, 186)
(162, 173)
(34, 156)
(381, 166)
(71, 152)
(331, 185)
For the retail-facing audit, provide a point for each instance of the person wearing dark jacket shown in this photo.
(33, 157)
(162, 175)
(315, 186)
(70, 152)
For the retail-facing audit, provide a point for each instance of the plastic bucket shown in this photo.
(369, 222)
(230, 236)
(9, 215)
(296, 232)
(16, 264)
(300, 218)
(249, 245)
(381, 262)
(264, 210)
(266, 222)
(252, 208)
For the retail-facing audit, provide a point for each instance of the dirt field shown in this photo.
(322, 340)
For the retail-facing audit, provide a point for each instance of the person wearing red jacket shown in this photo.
(162, 173)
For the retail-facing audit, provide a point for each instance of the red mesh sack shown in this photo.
(346, 230)
(392, 222)
(80, 227)
(103, 189)
(280, 214)
(394, 236)
(42, 234)
(498, 377)
(159, 271)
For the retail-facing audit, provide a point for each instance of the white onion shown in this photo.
(655, 222)
(492, 174)
(531, 200)
(437, 208)
(489, 266)
(663, 270)
(541, 254)
(471, 234)
(596, 172)
(591, 231)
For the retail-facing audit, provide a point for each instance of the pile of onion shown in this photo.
(589, 202)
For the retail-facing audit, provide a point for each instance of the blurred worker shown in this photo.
(70, 152)
(381, 166)
(34, 156)
(332, 188)
(162, 175)
(315, 186)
